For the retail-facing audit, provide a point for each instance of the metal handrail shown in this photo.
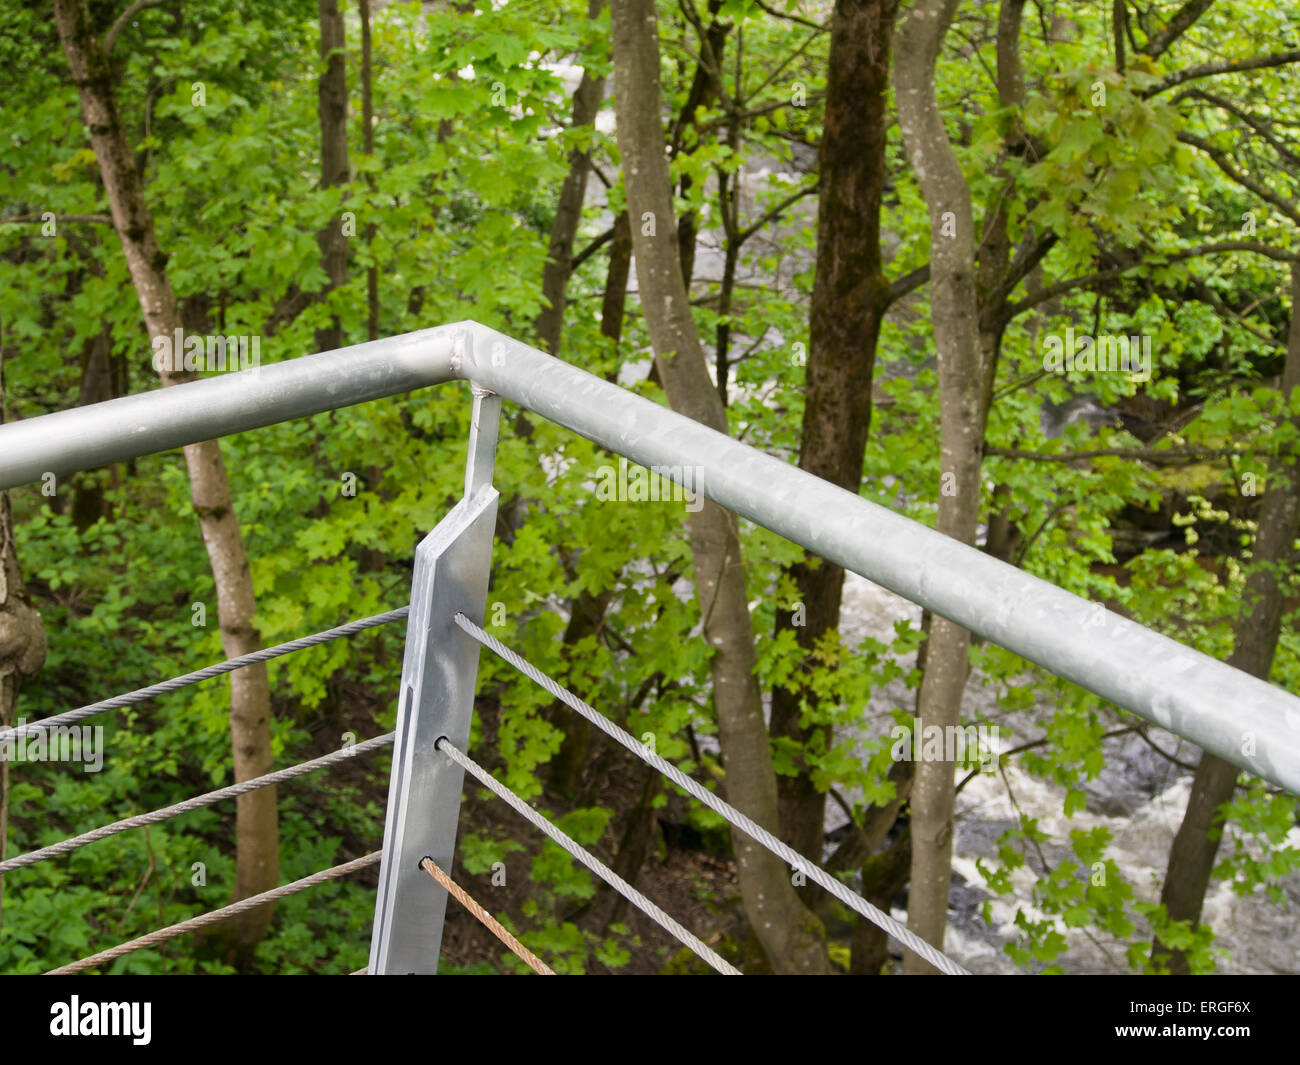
(1242, 719)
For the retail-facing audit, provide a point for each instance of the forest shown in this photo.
(1025, 272)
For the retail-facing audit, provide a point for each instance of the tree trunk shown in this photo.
(617, 272)
(994, 281)
(883, 877)
(1255, 636)
(729, 196)
(587, 611)
(568, 209)
(332, 107)
(22, 637)
(703, 90)
(993, 277)
(368, 146)
(88, 504)
(257, 831)
(955, 317)
(789, 933)
(566, 768)
(633, 848)
(849, 299)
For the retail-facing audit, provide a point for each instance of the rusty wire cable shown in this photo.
(488, 921)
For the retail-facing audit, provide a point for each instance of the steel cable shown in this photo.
(216, 916)
(233, 791)
(751, 828)
(207, 673)
(587, 858)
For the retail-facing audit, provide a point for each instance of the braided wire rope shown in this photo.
(197, 802)
(588, 859)
(486, 919)
(207, 673)
(216, 916)
(747, 825)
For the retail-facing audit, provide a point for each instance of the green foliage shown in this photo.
(454, 208)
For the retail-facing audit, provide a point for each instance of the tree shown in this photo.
(22, 635)
(849, 299)
(1255, 638)
(257, 827)
(955, 318)
(587, 99)
(789, 933)
(332, 95)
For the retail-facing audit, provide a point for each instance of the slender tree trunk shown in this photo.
(587, 611)
(617, 272)
(568, 209)
(566, 768)
(632, 851)
(883, 876)
(88, 504)
(1004, 539)
(790, 934)
(994, 265)
(1255, 636)
(332, 112)
(368, 146)
(955, 316)
(257, 831)
(729, 195)
(373, 559)
(992, 279)
(332, 107)
(849, 300)
(22, 636)
(704, 89)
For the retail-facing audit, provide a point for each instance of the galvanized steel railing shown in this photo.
(1248, 722)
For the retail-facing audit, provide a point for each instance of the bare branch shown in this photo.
(591, 248)
(790, 18)
(1227, 66)
(756, 112)
(782, 65)
(1028, 255)
(1156, 456)
(1050, 292)
(1184, 19)
(110, 38)
(1224, 163)
(775, 212)
(1259, 125)
(1162, 752)
(1030, 746)
(909, 283)
(1206, 295)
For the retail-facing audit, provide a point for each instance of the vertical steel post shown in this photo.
(439, 670)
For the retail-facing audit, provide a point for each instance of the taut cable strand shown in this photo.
(233, 791)
(747, 825)
(587, 858)
(207, 673)
(216, 916)
(488, 921)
